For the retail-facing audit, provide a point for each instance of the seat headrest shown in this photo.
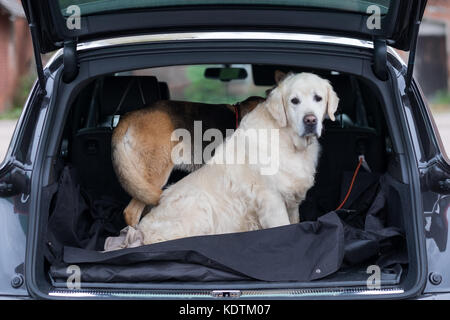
(122, 94)
(164, 90)
(342, 85)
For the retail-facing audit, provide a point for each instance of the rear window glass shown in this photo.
(88, 7)
(188, 83)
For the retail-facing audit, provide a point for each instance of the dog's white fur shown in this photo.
(225, 198)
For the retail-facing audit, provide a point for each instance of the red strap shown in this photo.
(236, 111)
(361, 159)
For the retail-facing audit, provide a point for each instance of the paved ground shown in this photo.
(443, 123)
(6, 131)
(7, 128)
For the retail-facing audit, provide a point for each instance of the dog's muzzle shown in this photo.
(310, 125)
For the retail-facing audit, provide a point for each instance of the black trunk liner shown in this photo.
(304, 252)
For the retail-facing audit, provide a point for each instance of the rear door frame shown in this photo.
(103, 60)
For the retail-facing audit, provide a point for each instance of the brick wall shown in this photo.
(4, 61)
(439, 11)
(16, 53)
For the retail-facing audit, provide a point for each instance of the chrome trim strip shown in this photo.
(189, 36)
(293, 293)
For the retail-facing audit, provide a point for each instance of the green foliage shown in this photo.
(440, 102)
(212, 90)
(20, 97)
(11, 114)
(442, 98)
(205, 90)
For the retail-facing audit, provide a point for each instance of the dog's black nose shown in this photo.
(310, 120)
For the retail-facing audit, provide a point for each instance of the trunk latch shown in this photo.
(226, 293)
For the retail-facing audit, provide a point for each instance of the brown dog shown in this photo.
(142, 145)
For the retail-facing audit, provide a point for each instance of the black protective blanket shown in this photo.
(278, 254)
(302, 252)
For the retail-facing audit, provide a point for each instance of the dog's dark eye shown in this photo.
(317, 98)
(295, 100)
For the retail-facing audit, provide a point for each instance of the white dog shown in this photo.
(226, 198)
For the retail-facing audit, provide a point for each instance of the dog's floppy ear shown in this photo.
(279, 76)
(275, 105)
(332, 102)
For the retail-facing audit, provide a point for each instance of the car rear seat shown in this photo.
(164, 90)
(91, 152)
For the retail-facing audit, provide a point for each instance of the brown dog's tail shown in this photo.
(143, 164)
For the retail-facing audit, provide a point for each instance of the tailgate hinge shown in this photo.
(380, 58)
(70, 61)
(412, 54)
(37, 51)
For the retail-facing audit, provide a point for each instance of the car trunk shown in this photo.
(331, 252)
(79, 201)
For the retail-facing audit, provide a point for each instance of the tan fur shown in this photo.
(142, 147)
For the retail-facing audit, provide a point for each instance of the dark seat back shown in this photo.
(342, 143)
(91, 150)
(122, 94)
(164, 90)
(340, 151)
